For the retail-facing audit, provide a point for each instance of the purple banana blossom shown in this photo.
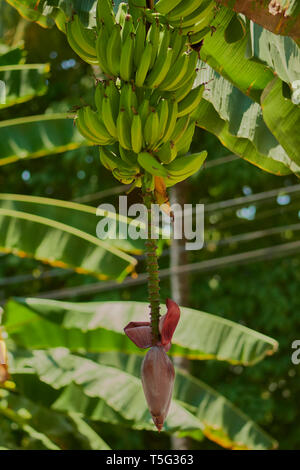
(157, 369)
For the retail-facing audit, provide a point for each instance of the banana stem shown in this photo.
(150, 4)
(152, 269)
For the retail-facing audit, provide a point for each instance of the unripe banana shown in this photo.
(108, 118)
(163, 113)
(160, 69)
(85, 37)
(165, 6)
(136, 133)
(186, 87)
(148, 182)
(76, 46)
(180, 127)
(128, 28)
(99, 95)
(126, 62)
(167, 152)
(185, 8)
(184, 143)
(178, 44)
(113, 54)
(124, 178)
(105, 14)
(109, 159)
(176, 73)
(183, 167)
(83, 129)
(172, 116)
(203, 20)
(153, 38)
(101, 46)
(191, 101)
(128, 157)
(151, 129)
(124, 129)
(144, 65)
(113, 94)
(139, 42)
(128, 99)
(197, 37)
(144, 111)
(151, 164)
(97, 127)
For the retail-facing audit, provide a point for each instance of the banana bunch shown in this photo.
(82, 40)
(153, 58)
(191, 17)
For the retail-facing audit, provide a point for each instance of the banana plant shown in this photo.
(146, 107)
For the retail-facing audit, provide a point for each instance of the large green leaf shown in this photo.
(280, 17)
(52, 429)
(62, 234)
(230, 60)
(85, 385)
(278, 52)
(282, 117)
(98, 327)
(37, 136)
(238, 122)
(23, 82)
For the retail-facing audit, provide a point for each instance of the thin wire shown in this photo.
(275, 251)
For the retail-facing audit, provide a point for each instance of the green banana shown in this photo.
(167, 152)
(122, 176)
(76, 46)
(113, 94)
(183, 167)
(124, 129)
(99, 94)
(126, 62)
(185, 88)
(97, 127)
(81, 126)
(176, 73)
(197, 37)
(178, 44)
(184, 143)
(160, 69)
(144, 65)
(192, 18)
(128, 157)
(151, 165)
(85, 37)
(191, 101)
(144, 110)
(151, 129)
(128, 99)
(139, 45)
(101, 46)
(153, 38)
(113, 51)
(109, 159)
(105, 14)
(180, 128)
(185, 8)
(163, 113)
(136, 133)
(202, 22)
(107, 116)
(165, 6)
(128, 27)
(172, 116)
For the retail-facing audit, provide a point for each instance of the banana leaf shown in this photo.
(93, 388)
(37, 136)
(62, 234)
(23, 82)
(282, 117)
(98, 327)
